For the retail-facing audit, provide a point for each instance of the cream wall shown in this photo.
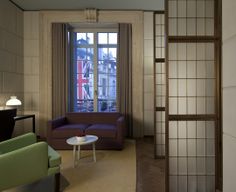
(229, 95)
(31, 67)
(11, 55)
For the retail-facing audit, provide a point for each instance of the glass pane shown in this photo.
(84, 38)
(102, 105)
(103, 90)
(102, 38)
(84, 105)
(90, 38)
(81, 38)
(112, 53)
(103, 54)
(81, 53)
(106, 105)
(112, 38)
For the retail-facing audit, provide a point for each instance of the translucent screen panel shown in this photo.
(191, 156)
(192, 78)
(160, 84)
(191, 17)
(160, 133)
(159, 36)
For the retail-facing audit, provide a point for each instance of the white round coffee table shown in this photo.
(90, 139)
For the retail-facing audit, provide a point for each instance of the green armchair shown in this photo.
(23, 160)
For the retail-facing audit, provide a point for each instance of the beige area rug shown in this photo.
(114, 171)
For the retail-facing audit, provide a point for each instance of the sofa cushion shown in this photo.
(69, 130)
(53, 157)
(102, 130)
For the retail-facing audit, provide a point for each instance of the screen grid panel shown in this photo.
(160, 84)
(191, 99)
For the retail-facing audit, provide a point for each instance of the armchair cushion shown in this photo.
(53, 157)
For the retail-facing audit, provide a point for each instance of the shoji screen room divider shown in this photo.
(193, 96)
(160, 83)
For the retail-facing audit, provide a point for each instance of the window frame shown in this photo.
(72, 74)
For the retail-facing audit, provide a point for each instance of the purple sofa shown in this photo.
(109, 127)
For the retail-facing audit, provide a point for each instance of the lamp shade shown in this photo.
(13, 101)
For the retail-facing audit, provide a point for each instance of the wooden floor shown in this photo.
(150, 171)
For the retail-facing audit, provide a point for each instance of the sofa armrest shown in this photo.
(121, 129)
(53, 124)
(17, 142)
(24, 165)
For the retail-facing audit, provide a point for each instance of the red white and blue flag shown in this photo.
(83, 80)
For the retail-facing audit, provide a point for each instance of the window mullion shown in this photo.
(95, 80)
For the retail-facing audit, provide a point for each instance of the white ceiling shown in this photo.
(27, 5)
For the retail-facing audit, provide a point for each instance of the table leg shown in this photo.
(74, 156)
(78, 152)
(94, 152)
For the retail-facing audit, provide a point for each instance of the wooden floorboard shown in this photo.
(150, 171)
